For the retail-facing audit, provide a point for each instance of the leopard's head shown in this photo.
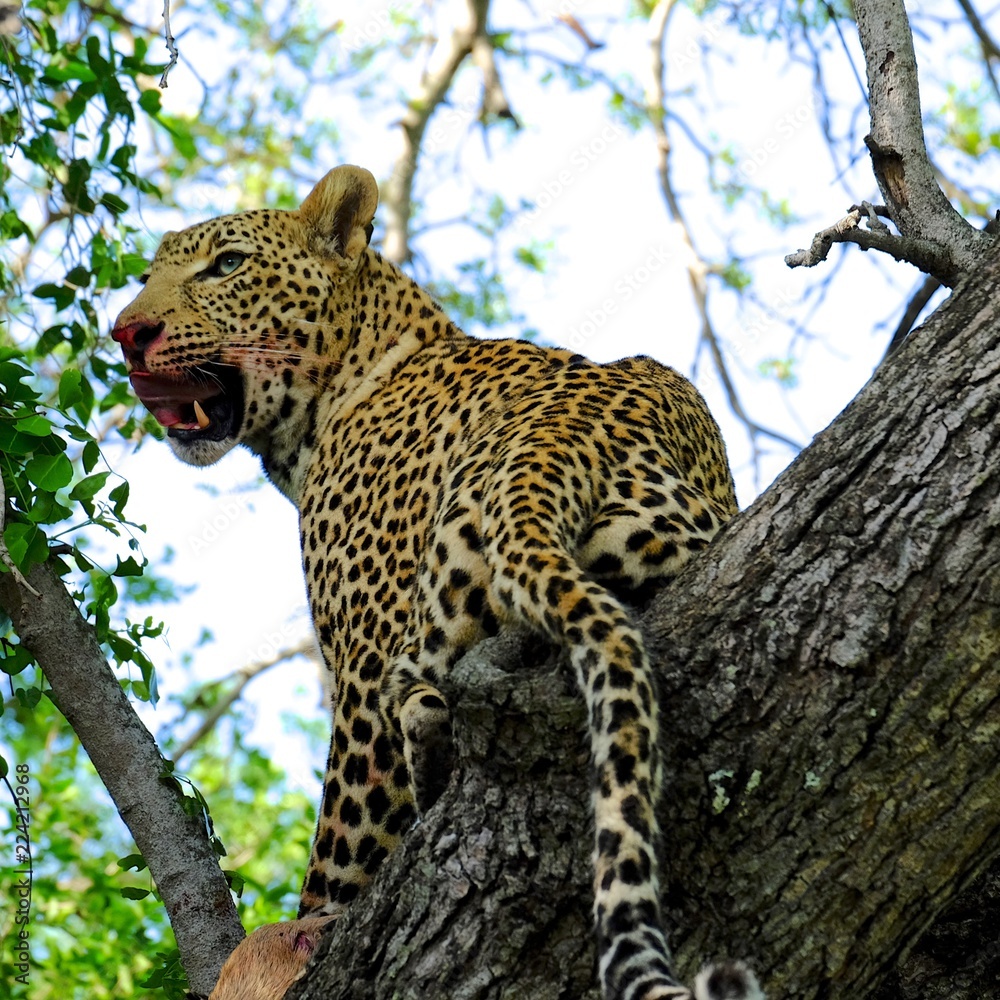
(244, 319)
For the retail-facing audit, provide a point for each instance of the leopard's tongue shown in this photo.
(166, 397)
(166, 416)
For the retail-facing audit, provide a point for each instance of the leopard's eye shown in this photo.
(226, 263)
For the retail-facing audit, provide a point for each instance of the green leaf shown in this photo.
(82, 562)
(14, 659)
(130, 861)
(42, 149)
(133, 892)
(119, 394)
(62, 295)
(91, 455)
(51, 338)
(49, 472)
(180, 132)
(72, 70)
(28, 697)
(11, 224)
(100, 65)
(134, 264)
(36, 425)
(47, 510)
(114, 203)
(87, 488)
(236, 882)
(127, 568)
(105, 591)
(69, 388)
(75, 189)
(149, 101)
(26, 543)
(12, 443)
(79, 276)
(119, 497)
(11, 376)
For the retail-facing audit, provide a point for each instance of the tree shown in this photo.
(856, 601)
(886, 616)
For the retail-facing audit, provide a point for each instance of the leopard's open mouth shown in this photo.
(206, 405)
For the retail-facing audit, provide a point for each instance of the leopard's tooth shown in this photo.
(200, 415)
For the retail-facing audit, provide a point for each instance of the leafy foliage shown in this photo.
(98, 930)
(94, 161)
(77, 88)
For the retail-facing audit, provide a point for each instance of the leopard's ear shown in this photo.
(338, 212)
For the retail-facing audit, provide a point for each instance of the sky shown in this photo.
(617, 287)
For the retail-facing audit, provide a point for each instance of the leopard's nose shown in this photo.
(136, 336)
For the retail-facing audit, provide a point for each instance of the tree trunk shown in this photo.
(169, 833)
(831, 723)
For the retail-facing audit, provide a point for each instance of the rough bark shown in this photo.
(958, 958)
(174, 845)
(833, 708)
(899, 157)
(933, 236)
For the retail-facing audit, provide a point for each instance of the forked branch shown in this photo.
(933, 236)
(397, 193)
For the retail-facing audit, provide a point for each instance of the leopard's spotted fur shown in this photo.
(446, 486)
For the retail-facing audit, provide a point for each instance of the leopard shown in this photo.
(448, 487)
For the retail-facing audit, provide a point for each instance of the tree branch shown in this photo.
(5, 556)
(171, 43)
(241, 678)
(397, 192)
(174, 845)
(913, 309)
(924, 254)
(828, 674)
(934, 236)
(988, 45)
(902, 168)
(853, 610)
(697, 266)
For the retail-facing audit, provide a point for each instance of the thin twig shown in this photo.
(898, 152)
(5, 556)
(697, 267)
(580, 31)
(913, 309)
(173, 842)
(171, 44)
(397, 195)
(931, 257)
(242, 678)
(835, 20)
(986, 41)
